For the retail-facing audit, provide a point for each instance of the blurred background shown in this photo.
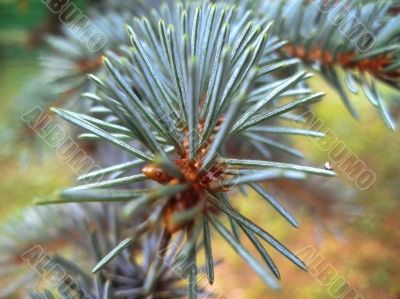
(356, 232)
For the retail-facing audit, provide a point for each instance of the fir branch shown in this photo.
(194, 77)
(327, 36)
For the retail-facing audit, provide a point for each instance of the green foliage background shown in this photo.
(367, 253)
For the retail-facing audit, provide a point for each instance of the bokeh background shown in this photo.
(357, 233)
